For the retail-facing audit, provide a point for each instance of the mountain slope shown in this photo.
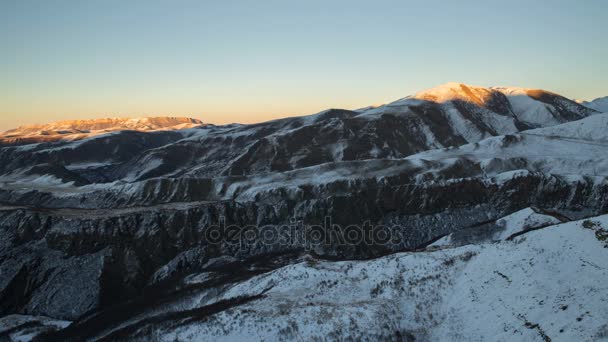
(600, 104)
(546, 284)
(575, 148)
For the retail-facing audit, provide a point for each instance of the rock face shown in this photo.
(119, 220)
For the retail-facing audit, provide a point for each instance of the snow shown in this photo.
(503, 177)
(549, 282)
(40, 182)
(347, 171)
(529, 111)
(593, 128)
(502, 229)
(462, 126)
(452, 91)
(148, 164)
(552, 278)
(365, 109)
(19, 328)
(600, 104)
(88, 165)
(578, 147)
(337, 150)
(108, 124)
(71, 144)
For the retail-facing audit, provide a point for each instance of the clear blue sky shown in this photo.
(248, 61)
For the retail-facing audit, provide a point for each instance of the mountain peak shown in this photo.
(455, 91)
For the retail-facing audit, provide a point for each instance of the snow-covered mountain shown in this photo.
(600, 104)
(491, 193)
(80, 129)
(451, 115)
(538, 279)
(540, 283)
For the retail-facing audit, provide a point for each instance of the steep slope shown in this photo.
(541, 108)
(81, 129)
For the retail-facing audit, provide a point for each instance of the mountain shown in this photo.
(81, 129)
(170, 234)
(600, 104)
(450, 115)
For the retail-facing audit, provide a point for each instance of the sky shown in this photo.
(249, 61)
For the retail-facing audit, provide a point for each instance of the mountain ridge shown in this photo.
(80, 129)
(491, 98)
(395, 130)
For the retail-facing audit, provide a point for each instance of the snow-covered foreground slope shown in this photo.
(548, 283)
(502, 229)
(545, 284)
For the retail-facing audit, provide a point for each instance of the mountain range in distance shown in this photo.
(80, 129)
